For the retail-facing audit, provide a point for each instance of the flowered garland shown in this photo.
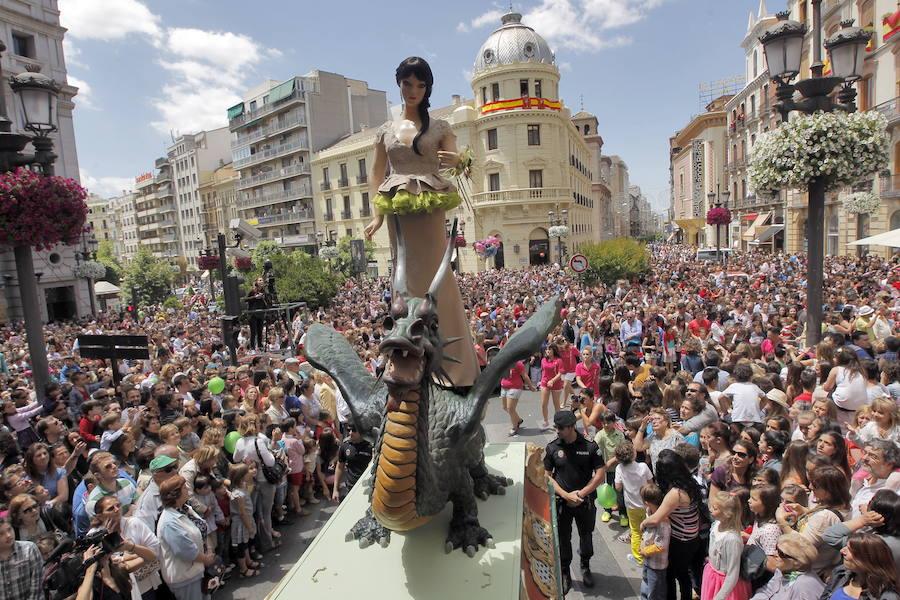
(243, 263)
(460, 241)
(39, 211)
(841, 148)
(90, 269)
(207, 263)
(328, 252)
(559, 231)
(718, 215)
(487, 247)
(862, 203)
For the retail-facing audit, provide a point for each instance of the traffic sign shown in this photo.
(578, 263)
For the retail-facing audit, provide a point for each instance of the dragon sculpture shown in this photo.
(429, 442)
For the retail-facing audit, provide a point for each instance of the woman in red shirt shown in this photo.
(568, 354)
(551, 382)
(511, 387)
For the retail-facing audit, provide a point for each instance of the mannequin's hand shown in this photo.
(373, 226)
(448, 159)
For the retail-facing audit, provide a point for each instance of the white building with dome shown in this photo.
(531, 157)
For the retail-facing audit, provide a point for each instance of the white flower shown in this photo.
(90, 269)
(559, 231)
(862, 203)
(328, 252)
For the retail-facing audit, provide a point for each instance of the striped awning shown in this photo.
(235, 111)
(764, 235)
(281, 91)
(750, 234)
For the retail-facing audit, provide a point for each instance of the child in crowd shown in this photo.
(654, 546)
(170, 435)
(190, 441)
(608, 439)
(223, 527)
(721, 576)
(243, 527)
(310, 462)
(91, 413)
(630, 477)
(112, 429)
(203, 492)
(294, 450)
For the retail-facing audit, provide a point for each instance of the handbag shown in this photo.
(276, 472)
(753, 562)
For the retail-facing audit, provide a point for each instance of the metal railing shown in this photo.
(271, 153)
(288, 216)
(365, 211)
(343, 182)
(325, 186)
(360, 179)
(329, 216)
(890, 109)
(271, 129)
(525, 195)
(345, 214)
(273, 175)
(275, 198)
(265, 109)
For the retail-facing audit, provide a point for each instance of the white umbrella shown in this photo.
(889, 238)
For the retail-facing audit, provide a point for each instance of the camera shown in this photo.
(246, 230)
(109, 541)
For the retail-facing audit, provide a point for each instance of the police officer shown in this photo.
(354, 456)
(576, 467)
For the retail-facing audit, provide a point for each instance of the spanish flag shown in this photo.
(524, 103)
(890, 25)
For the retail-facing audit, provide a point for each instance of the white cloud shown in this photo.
(108, 19)
(578, 25)
(72, 55)
(106, 187)
(85, 97)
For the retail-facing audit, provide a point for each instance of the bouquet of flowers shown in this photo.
(243, 263)
(460, 241)
(207, 263)
(559, 231)
(461, 174)
(90, 269)
(39, 211)
(837, 147)
(487, 247)
(718, 216)
(328, 252)
(862, 203)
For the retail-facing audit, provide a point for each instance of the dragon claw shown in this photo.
(490, 543)
(364, 542)
(470, 551)
(467, 534)
(368, 531)
(488, 484)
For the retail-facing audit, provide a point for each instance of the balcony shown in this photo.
(168, 238)
(273, 175)
(288, 216)
(164, 190)
(365, 211)
(275, 198)
(345, 214)
(522, 196)
(265, 109)
(343, 182)
(891, 110)
(271, 153)
(272, 129)
(361, 179)
(164, 175)
(890, 186)
(329, 216)
(325, 186)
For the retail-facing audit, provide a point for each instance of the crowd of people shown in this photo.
(717, 432)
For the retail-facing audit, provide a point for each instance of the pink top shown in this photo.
(590, 376)
(549, 369)
(19, 421)
(569, 359)
(513, 379)
(294, 450)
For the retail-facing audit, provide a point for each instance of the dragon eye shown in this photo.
(388, 323)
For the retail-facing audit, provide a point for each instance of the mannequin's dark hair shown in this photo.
(422, 71)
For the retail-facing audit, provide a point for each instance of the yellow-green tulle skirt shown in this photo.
(405, 203)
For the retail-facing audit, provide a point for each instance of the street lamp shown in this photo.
(461, 232)
(37, 94)
(714, 199)
(88, 252)
(782, 44)
(561, 220)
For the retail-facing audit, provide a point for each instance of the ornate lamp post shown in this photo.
(37, 95)
(783, 46)
(556, 221)
(87, 253)
(715, 199)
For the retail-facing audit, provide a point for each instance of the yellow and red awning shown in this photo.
(524, 103)
(890, 25)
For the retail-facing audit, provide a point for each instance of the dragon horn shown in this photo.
(399, 285)
(445, 376)
(445, 264)
(452, 340)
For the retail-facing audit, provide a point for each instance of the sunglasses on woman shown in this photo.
(740, 454)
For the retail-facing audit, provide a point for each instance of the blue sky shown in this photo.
(154, 66)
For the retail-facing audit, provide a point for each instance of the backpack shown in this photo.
(276, 472)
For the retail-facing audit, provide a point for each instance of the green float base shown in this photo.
(414, 565)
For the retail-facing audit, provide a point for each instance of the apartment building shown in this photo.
(156, 212)
(276, 129)
(218, 194)
(101, 219)
(603, 215)
(127, 241)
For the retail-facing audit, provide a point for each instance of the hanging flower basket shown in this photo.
(243, 263)
(718, 216)
(90, 269)
(207, 263)
(862, 203)
(328, 252)
(838, 147)
(559, 231)
(460, 241)
(39, 211)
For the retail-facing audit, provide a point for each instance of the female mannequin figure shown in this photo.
(415, 192)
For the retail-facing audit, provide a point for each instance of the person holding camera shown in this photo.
(136, 539)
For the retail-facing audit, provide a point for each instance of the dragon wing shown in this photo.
(520, 346)
(329, 351)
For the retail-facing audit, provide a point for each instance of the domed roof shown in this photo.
(513, 43)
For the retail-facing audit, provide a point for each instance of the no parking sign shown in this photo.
(578, 263)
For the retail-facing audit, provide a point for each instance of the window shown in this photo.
(349, 231)
(492, 139)
(362, 168)
(755, 67)
(484, 94)
(495, 91)
(329, 210)
(343, 171)
(494, 182)
(23, 45)
(537, 89)
(753, 104)
(535, 178)
(534, 135)
(346, 213)
(366, 207)
(253, 105)
(523, 87)
(325, 177)
(587, 129)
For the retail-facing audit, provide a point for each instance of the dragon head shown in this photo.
(413, 349)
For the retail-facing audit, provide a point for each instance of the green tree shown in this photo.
(150, 277)
(107, 258)
(265, 249)
(299, 277)
(343, 262)
(608, 261)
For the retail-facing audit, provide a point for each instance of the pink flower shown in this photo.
(39, 211)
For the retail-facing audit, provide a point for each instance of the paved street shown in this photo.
(616, 578)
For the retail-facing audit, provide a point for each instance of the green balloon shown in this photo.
(216, 385)
(231, 441)
(606, 496)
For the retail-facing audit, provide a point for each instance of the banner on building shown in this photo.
(697, 158)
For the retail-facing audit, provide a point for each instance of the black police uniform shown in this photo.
(573, 466)
(355, 456)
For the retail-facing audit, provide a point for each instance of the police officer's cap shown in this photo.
(564, 418)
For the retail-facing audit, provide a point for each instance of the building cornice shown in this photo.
(13, 16)
(700, 123)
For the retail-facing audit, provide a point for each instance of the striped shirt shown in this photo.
(685, 522)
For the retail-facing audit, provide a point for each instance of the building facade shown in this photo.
(619, 196)
(155, 212)
(218, 195)
(34, 39)
(276, 129)
(698, 156)
(128, 240)
(102, 219)
(603, 215)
